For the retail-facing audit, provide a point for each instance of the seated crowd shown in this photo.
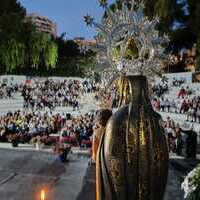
(184, 103)
(35, 124)
(50, 94)
(160, 89)
(7, 91)
(177, 82)
(79, 130)
(25, 127)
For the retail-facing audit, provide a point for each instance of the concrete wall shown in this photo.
(187, 76)
(21, 79)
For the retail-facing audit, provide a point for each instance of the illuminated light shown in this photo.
(42, 195)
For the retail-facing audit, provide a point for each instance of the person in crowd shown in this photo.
(170, 136)
(167, 105)
(174, 106)
(75, 105)
(62, 149)
(8, 91)
(191, 143)
(182, 93)
(198, 112)
(184, 107)
(179, 141)
(162, 105)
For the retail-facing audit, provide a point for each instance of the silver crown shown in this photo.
(130, 40)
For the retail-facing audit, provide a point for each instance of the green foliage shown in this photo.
(71, 61)
(12, 49)
(87, 61)
(35, 49)
(12, 54)
(21, 46)
(168, 12)
(42, 49)
(194, 17)
(39, 50)
(194, 26)
(11, 6)
(11, 18)
(51, 55)
(164, 9)
(68, 52)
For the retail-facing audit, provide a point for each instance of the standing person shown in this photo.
(78, 137)
(162, 105)
(179, 141)
(191, 143)
(38, 143)
(99, 130)
(173, 106)
(167, 105)
(198, 113)
(170, 136)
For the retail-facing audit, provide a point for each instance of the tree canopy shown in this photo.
(25, 50)
(71, 60)
(11, 18)
(21, 46)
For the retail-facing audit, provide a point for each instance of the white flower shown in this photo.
(188, 184)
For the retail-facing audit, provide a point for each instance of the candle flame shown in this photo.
(42, 195)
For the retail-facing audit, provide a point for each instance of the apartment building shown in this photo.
(43, 24)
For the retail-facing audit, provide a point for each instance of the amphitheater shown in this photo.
(88, 102)
(33, 170)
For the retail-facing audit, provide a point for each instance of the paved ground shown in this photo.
(23, 174)
(47, 149)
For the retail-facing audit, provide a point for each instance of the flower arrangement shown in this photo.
(14, 139)
(62, 150)
(191, 184)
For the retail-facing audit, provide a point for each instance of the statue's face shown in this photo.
(124, 50)
(131, 51)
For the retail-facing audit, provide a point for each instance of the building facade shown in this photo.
(43, 24)
(85, 44)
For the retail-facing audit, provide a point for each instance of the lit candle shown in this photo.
(42, 195)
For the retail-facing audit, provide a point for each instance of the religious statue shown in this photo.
(132, 157)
